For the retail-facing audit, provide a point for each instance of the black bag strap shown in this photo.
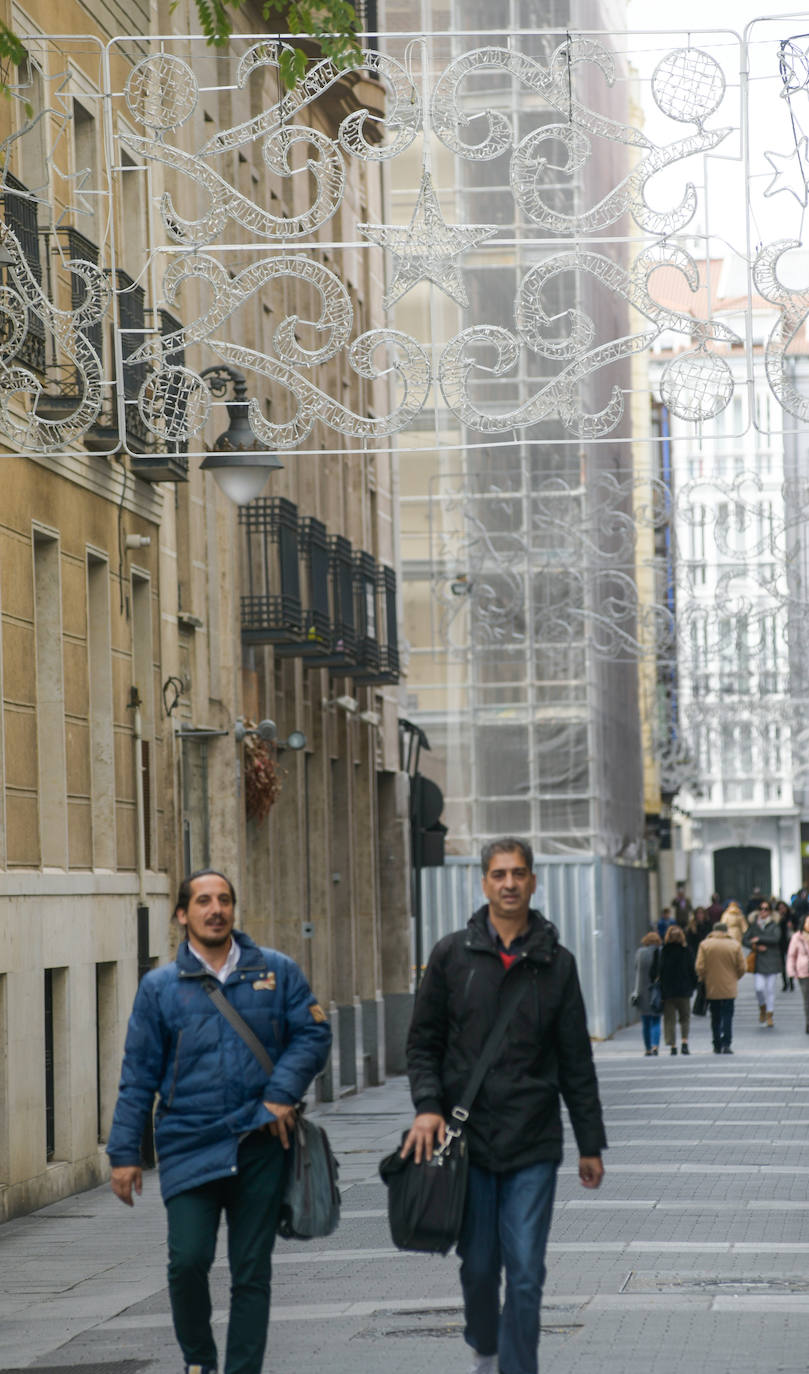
(238, 1023)
(494, 1040)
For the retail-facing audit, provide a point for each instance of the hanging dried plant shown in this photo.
(262, 784)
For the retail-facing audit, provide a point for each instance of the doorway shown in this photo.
(740, 868)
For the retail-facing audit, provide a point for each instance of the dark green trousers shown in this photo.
(250, 1200)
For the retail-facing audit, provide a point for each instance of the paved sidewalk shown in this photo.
(694, 1254)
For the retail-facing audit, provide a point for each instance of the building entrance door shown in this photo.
(740, 868)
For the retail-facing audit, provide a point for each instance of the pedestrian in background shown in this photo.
(665, 923)
(764, 939)
(798, 965)
(514, 1130)
(786, 929)
(715, 910)
(720, 965)
(647, 967)
(696, 930)
(681, 906)
(735, 921)
(222, 1127)
(677, 982)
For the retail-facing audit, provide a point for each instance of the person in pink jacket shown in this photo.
(798, 964)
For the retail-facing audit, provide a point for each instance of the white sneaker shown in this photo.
(484, 1364)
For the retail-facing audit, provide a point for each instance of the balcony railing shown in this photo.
(132, 324)
(20, 214)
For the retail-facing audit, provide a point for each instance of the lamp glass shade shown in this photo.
(242, 485)
(241, 476)
(296, 740)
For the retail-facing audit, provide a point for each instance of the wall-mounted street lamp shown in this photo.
(346, 703)
(268, 731)
(239, 468)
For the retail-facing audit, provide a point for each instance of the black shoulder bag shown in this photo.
(310, 1206)
(426, 1200)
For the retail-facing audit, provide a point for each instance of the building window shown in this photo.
(4, 1102)
(50, 701)
(107, 1050)
(50, 1108)
(99, 656)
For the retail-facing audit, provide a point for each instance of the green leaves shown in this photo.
(331, 24)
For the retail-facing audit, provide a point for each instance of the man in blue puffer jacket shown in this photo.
(221, 1126)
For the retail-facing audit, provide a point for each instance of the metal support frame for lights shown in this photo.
(268, 731)
(239, 468)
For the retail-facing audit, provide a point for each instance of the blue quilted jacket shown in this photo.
(211, 1086)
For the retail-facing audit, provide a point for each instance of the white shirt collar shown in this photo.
(229, 965)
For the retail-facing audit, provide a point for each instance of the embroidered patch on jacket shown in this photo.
(267, 983)
(317, 1012)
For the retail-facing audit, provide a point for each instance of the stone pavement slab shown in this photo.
(695, 1252)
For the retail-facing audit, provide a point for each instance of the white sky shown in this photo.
(722, 211)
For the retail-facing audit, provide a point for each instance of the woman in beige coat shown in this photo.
(734, 919)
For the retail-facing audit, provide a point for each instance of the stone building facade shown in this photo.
(145, 615)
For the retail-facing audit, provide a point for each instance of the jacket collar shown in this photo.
(543, 937)
(250, 958)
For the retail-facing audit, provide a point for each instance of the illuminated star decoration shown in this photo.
(793, 170)
(428, 248)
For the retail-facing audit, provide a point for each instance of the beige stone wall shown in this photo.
(88, 627)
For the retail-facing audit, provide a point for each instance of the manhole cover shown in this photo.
(711, 1283)
(117, 1367)
(427, 1324)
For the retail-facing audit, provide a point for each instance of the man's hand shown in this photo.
(125, 1177)
(284, 1121)
(591, 1170)
(421, 1136)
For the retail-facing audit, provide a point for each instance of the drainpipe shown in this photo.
(147, 1142)
(137, 731)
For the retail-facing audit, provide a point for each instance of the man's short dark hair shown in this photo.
(506, 845)
(184, 895)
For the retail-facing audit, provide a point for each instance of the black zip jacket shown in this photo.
(515, 1119)
(676, 971)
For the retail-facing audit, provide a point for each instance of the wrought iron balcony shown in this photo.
(20, 214)
(170, 465)
(339, 652)
(132, 324)
(311, 597)
(271, 546)
(382, 651)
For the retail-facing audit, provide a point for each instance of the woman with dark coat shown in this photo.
(786, 929)
(677, 982)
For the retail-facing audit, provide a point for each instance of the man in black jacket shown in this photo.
(514, 1128)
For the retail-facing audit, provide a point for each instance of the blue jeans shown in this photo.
(506, 1225)
(722, 1021)
(650, 1025)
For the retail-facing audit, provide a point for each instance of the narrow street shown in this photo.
(694, 1254)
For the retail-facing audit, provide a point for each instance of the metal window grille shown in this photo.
(339, 651)
(170, 462)
(271, 612)
(83, 250)
(20, 214)
(132, 324)
(365, 585)
(387, 632)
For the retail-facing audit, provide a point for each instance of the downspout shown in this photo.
(140, 808)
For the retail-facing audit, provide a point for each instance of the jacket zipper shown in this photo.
(170, 1097)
